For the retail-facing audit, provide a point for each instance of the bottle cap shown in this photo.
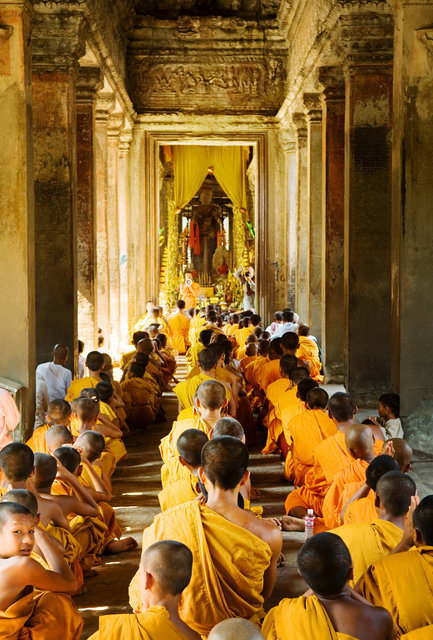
(310, 512)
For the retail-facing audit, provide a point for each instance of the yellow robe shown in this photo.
(402, 583)
(181, 490)
(228, 567)
(346, 483)
(41, 615)
(172, 469)
(309, 351)
(368, 542)
(281, 395)
(126, 358)
(37, 442)
(141, 398)
(362, 510)
(197, 325)
(186, 389)
(300, 619)
(192, 355)
(268, 373)
(76, 387)
(153, 624)
(178, 332)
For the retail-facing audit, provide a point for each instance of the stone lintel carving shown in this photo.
(57, 39)
(125, 140)
(104, 106)
(313, 107)
(365, 39)
(299, 121)
(332, 78)
(89, 82)
(116, 121)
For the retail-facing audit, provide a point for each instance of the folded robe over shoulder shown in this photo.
(172, 470)
(402, 583)
(362, 510)
(228, 569)
(368, 543)
(177, 492)
(299, 619)
(345, 485)
(37, 442)
(41, 616)
(281, 395)
(153, 624)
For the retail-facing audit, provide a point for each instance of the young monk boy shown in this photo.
(140, 398)
(235, 580)
(95, 364)
(189, 446)
(280, 392)
(55, 437)
(165, 571)
(59, 412)
(370, 541)
(235, 629)
(24, 613)
(332, 610)
(402, 582)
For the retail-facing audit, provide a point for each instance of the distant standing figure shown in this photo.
(9, 417)
(247, 279)
(56, 376)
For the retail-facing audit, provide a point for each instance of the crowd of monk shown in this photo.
(210, 559)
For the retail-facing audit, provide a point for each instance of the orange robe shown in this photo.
(280, 395)
(141, 400)
(309, 351)
(345, 484)
(37, 442)
(307, 430)
(246, 361)
(172, 469)
(189, 293)
(402, 583)
(178, 325)
(362, 510)
(76, 387)
(228, 567)
(192, 355)
(268, 374)
(241, 335)
(181, 490)
(153, 624)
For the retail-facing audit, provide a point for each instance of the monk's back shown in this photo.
(357, 620)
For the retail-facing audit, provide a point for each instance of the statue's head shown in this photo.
(206, 197)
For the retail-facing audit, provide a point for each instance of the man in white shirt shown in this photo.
(288, 324)
(55, 375)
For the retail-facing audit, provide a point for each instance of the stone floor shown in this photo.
(135, 487)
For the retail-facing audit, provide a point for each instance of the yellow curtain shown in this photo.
(190, 167)
(229, 169)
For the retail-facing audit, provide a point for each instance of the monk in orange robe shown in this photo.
(307, 430)
(309, 351)
(370, 541)
(234, 553)
(165, 571)
(178, 327)
(95, 364)
(204, 339)
(140, 397)
(250, 356)
(243, 332)
(270, 371)
(330, 456)
(402, 582)
(59, 412)
(330, 613)
(189, 291)
(23, 611)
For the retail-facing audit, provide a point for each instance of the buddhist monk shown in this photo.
(332, 611)
(370, 541)
(270, 371)
(235, 554)
(250, 355)
(178, 324)
(140, 398)
(204, 339)
(95, 364)
(283, 387)
(59, 412)
(252, 370)
(309, 352)
(23, 612)
(402, 582)
(290, 346)
(235, 629)
(127, 357)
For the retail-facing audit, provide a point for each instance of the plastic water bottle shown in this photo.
(309, 524)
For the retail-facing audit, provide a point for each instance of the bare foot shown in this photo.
(117, 546)
(274, 521)
(290, 523)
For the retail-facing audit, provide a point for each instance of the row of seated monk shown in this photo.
(210, 559)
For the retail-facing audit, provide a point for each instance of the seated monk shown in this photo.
(252, 339)
(153, 365)
(250, 355)
(178, 328)
(402, 582)
(95, 364)
(309, 352)
(209, 402)
(185, 390)
(126, 358)
(235, 629)
(139, 397)
(166, 354)
(331, 610)
(111, 405)
(270, 371)
(189, 446)
(252, 369)
(165, 572)
(56, 436)
(204, 339)
(361, 507)
(281, 391)
(307, 430)
(360, 444)
(330, 457)
(370, 541)
(290, 346)
(235, 554)
(59, 412)
(23, 611)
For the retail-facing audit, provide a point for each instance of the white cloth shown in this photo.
(9, 417)
(285, 328)
(42, 401)
(393, 429)
(81, 366)
(56, 377)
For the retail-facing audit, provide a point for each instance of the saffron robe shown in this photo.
(141, 400)
(178, 492)
(153, 624)
(192, 355)
(252, 370)
(309, 351)
(172, 469)
(268, 373)
(402, 583)
(344, 486)
(186, 389)
(41, 615)
(241, 335)
(76, 387)
(178, 325)
(299, 619)
(280, 395)
(37, 442)
(228, 567)
(368, 543)
(307, 430)
(362, 510)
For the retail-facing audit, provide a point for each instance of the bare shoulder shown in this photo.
(266, 531)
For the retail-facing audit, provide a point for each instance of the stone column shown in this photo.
(292, 223)
(104, 106)
(57, 44)
(89, 81)
(368, 41)
(303, 220)
(123, 213)
(115, 123)
(17, 314)
(333, 223)
(412, 220)
(313, 111)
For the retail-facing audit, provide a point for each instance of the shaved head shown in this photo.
(298, 374)
(94, 361)
(92, 443)
(225, 461)
(304, 386)
(58, 435)
(288, 363)
(377, 468)
(403, 453)
(59, 410)
(359, 440)
(190, 444)
(69, 458)
(290, 341)
(170, 563)
(60, 352)
(317, 398)
(423, 519)
(228, 426)
(208, 358)
(324, 562)
(23, 497)
(236, 629)
(145, 345)
(341, 407)
(212, 394)
(45, 471)
(395, 490)
(9, 509)
(87, 409)
(16, 461)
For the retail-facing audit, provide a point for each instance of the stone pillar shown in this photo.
(104, 105)
(89, 81)
(368, 41)
(313, 111)
(292, 225)
(303, 220)
(333, 223)
(115, 123)
(412, 220)
(17, 315)
(57, 44)
(123, 213)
